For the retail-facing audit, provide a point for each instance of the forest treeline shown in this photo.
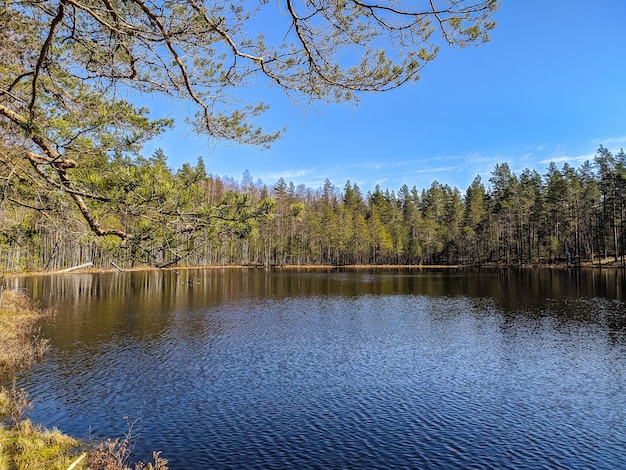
(567, 216)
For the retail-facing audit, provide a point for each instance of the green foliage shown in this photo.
(568, 216)
(71, 74)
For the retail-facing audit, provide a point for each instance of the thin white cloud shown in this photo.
(567, 158)
(438, 169)
(287, 174)
(375, 165)
(476, 158)
(610, 141)
(444, 158)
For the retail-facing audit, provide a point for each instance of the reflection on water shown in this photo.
(233, 368)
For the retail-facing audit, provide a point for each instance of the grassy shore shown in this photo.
(23, 444)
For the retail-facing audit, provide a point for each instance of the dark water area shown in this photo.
(264, 369)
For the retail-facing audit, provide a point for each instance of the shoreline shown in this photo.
(604, 264)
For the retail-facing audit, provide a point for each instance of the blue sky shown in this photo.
(549, 86)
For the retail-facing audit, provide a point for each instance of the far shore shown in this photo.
(95, 270)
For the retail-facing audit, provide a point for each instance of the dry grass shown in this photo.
(114, 454)
(14, 405)
(21, 346)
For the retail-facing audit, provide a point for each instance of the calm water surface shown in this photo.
(231, 368)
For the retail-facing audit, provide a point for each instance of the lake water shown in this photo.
(271, 369)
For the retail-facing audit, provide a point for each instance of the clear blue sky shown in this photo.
(549, 86)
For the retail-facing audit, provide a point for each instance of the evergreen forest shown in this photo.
(567, 216)
(78, 80)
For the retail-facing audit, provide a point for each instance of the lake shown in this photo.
(397, 368)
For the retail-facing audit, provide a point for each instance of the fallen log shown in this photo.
(74, 268)
(119, 270)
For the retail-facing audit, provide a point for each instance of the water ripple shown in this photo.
(369, 381)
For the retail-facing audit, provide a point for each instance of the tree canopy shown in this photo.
(568, 216)
(72, 71)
